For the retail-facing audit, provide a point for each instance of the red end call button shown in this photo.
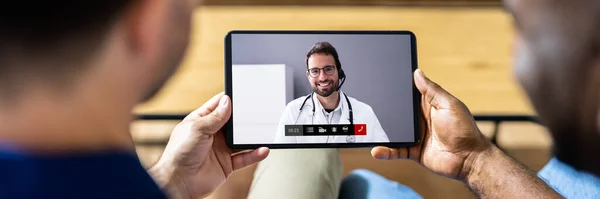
(360, 129)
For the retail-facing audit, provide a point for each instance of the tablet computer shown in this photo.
(321, 89)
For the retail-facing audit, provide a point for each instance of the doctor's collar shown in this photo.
(320, 106)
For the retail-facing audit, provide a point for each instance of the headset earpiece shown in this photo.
(341, 74)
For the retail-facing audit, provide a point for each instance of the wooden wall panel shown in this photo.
(466, 50)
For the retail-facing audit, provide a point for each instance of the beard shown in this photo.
(325, 92)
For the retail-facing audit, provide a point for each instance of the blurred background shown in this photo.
(465, 46)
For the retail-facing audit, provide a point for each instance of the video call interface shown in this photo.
(321, 88)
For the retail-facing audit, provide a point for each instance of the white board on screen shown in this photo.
(260, 94)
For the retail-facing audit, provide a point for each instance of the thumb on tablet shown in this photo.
(215, 120)
(433, 93)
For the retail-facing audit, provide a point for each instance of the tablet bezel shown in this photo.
(416, 94)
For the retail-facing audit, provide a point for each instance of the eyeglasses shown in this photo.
(315, 72)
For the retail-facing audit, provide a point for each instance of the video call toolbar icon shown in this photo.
(360, 129)
(322, 130)
(345, 129)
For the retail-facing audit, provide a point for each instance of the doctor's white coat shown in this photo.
(363, 114)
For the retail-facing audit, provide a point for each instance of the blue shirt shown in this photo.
(564, 179)
(97, 175)
(569, 182)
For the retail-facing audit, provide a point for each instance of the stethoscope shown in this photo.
(349, 139)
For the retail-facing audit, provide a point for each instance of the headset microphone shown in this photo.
(341, 76)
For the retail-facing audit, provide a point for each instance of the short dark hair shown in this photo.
(31, 31)
(326, 48)
(45, 22)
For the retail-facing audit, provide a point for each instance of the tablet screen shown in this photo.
(321, 87)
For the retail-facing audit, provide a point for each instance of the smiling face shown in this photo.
(322, 64)
(322, 74)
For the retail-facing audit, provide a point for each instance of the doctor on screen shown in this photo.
(328, 104)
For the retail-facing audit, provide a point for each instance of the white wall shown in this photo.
(260, 94)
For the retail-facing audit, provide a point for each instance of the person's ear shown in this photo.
(143, 22)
